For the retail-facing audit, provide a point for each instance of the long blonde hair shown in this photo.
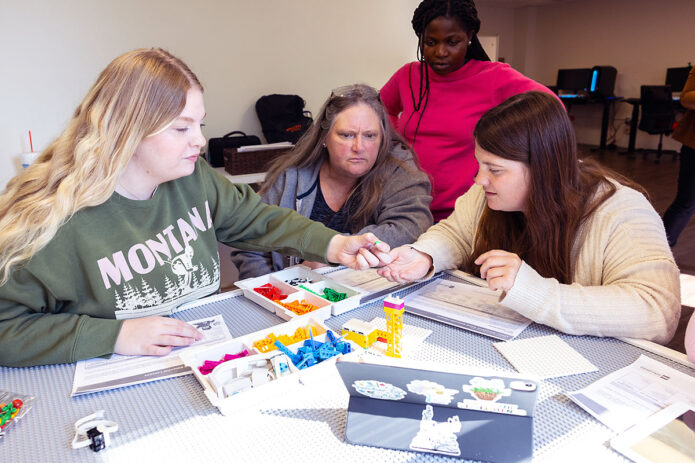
(138, 94)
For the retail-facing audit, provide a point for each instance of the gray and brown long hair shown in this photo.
(310, 150)
(138, 94)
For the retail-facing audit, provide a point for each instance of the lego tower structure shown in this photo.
(394, 308)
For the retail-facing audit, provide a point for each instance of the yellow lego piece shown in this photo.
(394, 308)
(360, 332)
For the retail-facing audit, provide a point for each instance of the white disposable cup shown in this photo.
(28, 158)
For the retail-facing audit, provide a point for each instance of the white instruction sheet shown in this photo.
(120, 370)
(629, 395)
(466, 306)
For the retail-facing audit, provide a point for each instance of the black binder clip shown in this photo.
(97, 438)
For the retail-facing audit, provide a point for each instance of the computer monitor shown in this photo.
(573, 80)
(676, 77)
(603, 81)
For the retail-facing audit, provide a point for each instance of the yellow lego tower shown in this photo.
(394, 308)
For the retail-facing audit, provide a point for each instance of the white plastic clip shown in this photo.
(93, 431)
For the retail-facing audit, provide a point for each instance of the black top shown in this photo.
(338, 221)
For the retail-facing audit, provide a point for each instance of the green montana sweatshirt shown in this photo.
(126, 258)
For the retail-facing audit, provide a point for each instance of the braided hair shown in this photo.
(465, 13)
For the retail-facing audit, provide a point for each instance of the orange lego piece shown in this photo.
(300, 308)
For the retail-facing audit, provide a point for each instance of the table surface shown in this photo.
(172, 420)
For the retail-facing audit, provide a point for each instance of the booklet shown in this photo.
(121, 370)
(366, 281)
(466, 306)
(629, 395)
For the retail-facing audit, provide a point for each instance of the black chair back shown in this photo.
(658, 113)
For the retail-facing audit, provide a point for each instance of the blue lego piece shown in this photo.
(313, 352)
(327, 351)
(331, 337)
(282, 348)
(307, 361)
(312, 344)
(305, 350)
(344, 347)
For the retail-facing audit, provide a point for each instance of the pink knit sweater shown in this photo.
(444, 142)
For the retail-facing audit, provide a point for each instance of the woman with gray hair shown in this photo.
(350, 171)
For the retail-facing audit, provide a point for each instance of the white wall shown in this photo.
(52, 51)
(500, 22)
(640, 38)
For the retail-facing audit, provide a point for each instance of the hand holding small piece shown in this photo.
(154, 336)
(499, 268)
(358, 252)
(407, 264)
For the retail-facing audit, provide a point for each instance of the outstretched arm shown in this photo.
(358, 252)
(408, 265)
(38, 329)
(154, 336)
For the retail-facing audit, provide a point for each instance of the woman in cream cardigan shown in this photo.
(569, 243)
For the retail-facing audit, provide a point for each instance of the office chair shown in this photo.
(658, 113)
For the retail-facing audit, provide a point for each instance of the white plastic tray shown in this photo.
(194, 358)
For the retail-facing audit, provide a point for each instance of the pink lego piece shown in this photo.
(209, 365)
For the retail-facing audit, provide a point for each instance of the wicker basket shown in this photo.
(250, 162)
(485, 395)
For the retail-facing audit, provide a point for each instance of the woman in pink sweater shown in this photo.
(435, 102)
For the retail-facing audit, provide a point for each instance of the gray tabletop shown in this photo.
(171, 420)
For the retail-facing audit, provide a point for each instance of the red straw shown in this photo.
(31, 145)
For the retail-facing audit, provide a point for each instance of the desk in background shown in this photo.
(257, 177)
(569, 100)
(635, 102)
(171, 420)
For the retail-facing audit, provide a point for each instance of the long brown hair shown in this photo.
(310, 150)
(138, 94)
(534, 128)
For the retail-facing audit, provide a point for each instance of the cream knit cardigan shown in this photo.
(625, 282)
